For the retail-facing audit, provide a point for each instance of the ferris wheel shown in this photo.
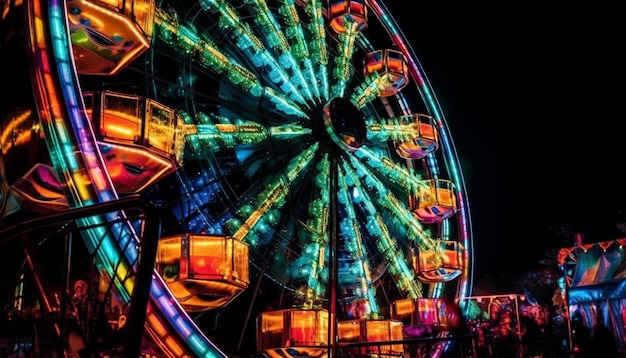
(297, 157)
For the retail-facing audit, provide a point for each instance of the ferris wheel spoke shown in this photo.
(386, 244)
(315, 232)
(184, 37)
(319, 51)
(252, 46)
(392, 129)
(294, 32)
(397, 210)
(276, 40)
(272, 197)
(343, 59)
(388, 169)
(353, 244)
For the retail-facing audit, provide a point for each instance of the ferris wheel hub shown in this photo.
(344, 123)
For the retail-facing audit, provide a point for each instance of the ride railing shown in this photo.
(56, 325)
(462, 346)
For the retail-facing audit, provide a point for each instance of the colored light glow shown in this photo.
(154, 323)
(236, 73)
(102, 17)
(341, 73)
(276, 39)
(275, 192)
(323, 77)
(49, 81)
(173, 346)
(118, 131)
(387, 245)
(354, 246)
(166, 303)
(184, 328)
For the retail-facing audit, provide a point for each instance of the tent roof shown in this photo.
(595, 271)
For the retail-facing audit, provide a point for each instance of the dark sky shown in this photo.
(532, 97)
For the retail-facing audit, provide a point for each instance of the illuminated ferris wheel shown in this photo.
(303, 173)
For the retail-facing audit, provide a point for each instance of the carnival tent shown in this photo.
(595, 284)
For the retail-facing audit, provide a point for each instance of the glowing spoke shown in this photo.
(394, 129)
(288, 131)
(400, 212)
(299, 47)
(345, 49)
(228, 135)
(317, 227)
(278, 42)
(251, 45)
(371, 88)
(186, 39)
(353, 243)
(386, 244)
(389, 169)
(274, 194)
(319, 52)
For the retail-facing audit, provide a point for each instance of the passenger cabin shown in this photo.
(203, 271)
(281, 333)
(107, 35)
(40, 191)
(390, 64)
(343, 13)
(426, 139)
(137, 137)
(421, 317)
(435, 202)
(365, 333)
(442, 263)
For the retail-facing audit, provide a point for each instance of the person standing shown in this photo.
(81, 303)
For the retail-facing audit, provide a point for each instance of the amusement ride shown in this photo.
(222, 178)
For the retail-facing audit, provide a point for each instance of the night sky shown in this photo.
(532, 98)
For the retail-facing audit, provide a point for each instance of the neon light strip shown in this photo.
(56, 123)
(451, 157)
(343, 59)
(251, 45)
(299, 46)
(414, 229)
(184, 38)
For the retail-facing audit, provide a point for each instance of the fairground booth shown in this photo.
(595, 286)
(506, 322)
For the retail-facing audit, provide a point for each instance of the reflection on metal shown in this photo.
(442, 264)
(108, 35)
(435, 203)
(371, 331)
(390, 64)
(203, 271)
(302, 332)
(39, 190)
